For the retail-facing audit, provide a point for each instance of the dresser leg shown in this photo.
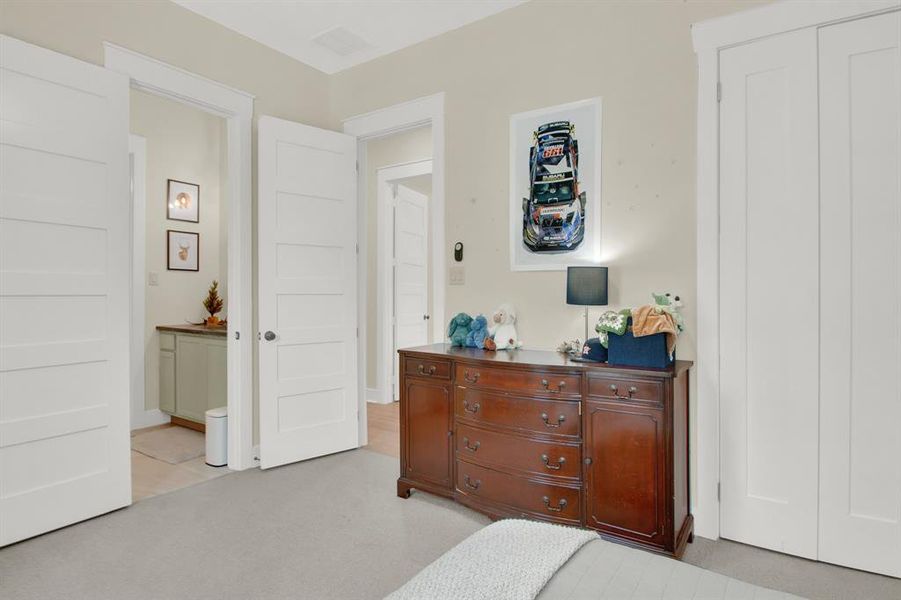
(691, 537)
(403, 489)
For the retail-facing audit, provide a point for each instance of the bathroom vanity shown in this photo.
(193, 372)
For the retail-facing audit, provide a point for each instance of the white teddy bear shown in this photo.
(502, 328)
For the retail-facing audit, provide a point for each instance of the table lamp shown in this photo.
(586, 286)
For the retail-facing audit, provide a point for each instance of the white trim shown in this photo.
(373, 396)
(236, 107)
(709, 38)
(137, 150)
(780, 17)
(385, 178)
(399, 117)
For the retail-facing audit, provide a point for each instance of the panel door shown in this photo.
(427, 432)
(64, 291)
(411, 273)
(860, 295)
(769, 285)
(625, 480)
(307, 291)
(167, 381)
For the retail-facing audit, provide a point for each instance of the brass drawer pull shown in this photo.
(547, 423)
(468, 483)
(472, 448)
(475, 407)
(470, 377)
(546, 460)
(422, 370)
(615, 390)
(561, 504)
(546, 385)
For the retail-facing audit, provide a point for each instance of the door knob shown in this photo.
(425, 317)
(269, 335)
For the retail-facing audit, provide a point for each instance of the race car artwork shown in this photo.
(553, 216)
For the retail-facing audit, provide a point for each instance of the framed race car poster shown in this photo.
(555, 187)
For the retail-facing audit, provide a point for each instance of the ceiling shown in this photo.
(338, 34)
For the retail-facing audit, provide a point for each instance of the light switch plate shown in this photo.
(153, 278)
(457, 275)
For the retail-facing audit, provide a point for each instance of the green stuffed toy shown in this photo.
(458, 329)
(672, 305)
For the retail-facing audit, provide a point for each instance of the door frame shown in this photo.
(386, 179)
(140, 417)
(428, 110)
(709, 38)
(236, 107)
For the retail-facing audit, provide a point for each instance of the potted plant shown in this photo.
(213, 304)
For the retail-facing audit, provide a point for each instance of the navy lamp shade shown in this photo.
(586, 286)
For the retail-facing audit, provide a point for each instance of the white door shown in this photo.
(411, 273)
(769, 324)
(860, 295)
(64, 291)
(307, 209)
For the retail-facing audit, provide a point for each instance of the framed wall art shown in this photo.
(555, 187)
(183, 250)
(183, 201)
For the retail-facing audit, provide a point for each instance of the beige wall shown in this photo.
(390, 150)
(186, 144)
(638, 57)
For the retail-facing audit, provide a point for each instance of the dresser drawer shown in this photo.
(426, 367)
(546, 383)
(549, 417)
(624, 388)
(518, 494)
(508, 451)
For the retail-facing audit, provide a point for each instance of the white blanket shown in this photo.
(508, 560)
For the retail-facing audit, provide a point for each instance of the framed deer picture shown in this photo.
(183, 248)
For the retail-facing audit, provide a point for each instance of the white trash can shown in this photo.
(217, 436)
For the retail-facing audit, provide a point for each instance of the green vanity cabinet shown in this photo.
(193, 375)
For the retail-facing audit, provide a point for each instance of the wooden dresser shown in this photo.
(533, 434)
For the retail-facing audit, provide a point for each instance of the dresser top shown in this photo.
(537, 358)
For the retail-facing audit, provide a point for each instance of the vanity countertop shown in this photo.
(194, 329)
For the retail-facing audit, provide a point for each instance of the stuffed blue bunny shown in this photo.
(478, 332)
(458, 329)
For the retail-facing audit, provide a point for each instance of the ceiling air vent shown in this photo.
(341, 41)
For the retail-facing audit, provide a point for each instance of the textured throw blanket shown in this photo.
(508, 560)
(612, 322)
(648, 320)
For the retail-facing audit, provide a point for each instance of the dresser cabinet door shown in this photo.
(625, 478)
(427, 442)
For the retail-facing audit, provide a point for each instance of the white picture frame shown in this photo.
(585, 117)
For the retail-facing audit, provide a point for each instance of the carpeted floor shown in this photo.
(326, 528)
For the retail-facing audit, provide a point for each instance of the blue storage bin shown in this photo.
(630, 351)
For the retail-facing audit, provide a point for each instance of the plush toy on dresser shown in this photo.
(503, 329)
(458, 329)
(478, 333)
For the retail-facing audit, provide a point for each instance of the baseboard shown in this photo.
(375, 396)
(201, 427)
(148, 418)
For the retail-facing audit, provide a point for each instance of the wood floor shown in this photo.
(152, 477)
(384, 428)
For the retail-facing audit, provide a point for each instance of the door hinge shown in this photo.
(357, 248)
(719, 91)
(358, 332)
(718, 491)
(357, 167)
(237, 335)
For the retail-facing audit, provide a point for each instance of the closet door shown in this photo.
(769, 325)
(860, 296)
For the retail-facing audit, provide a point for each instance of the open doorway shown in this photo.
(404, 283)
(179, 296)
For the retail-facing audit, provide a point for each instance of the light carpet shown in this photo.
(326, 528)
(173, 445)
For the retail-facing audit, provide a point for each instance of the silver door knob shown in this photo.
(269, 335)
(425, 317)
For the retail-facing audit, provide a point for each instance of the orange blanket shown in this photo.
(647, 321)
